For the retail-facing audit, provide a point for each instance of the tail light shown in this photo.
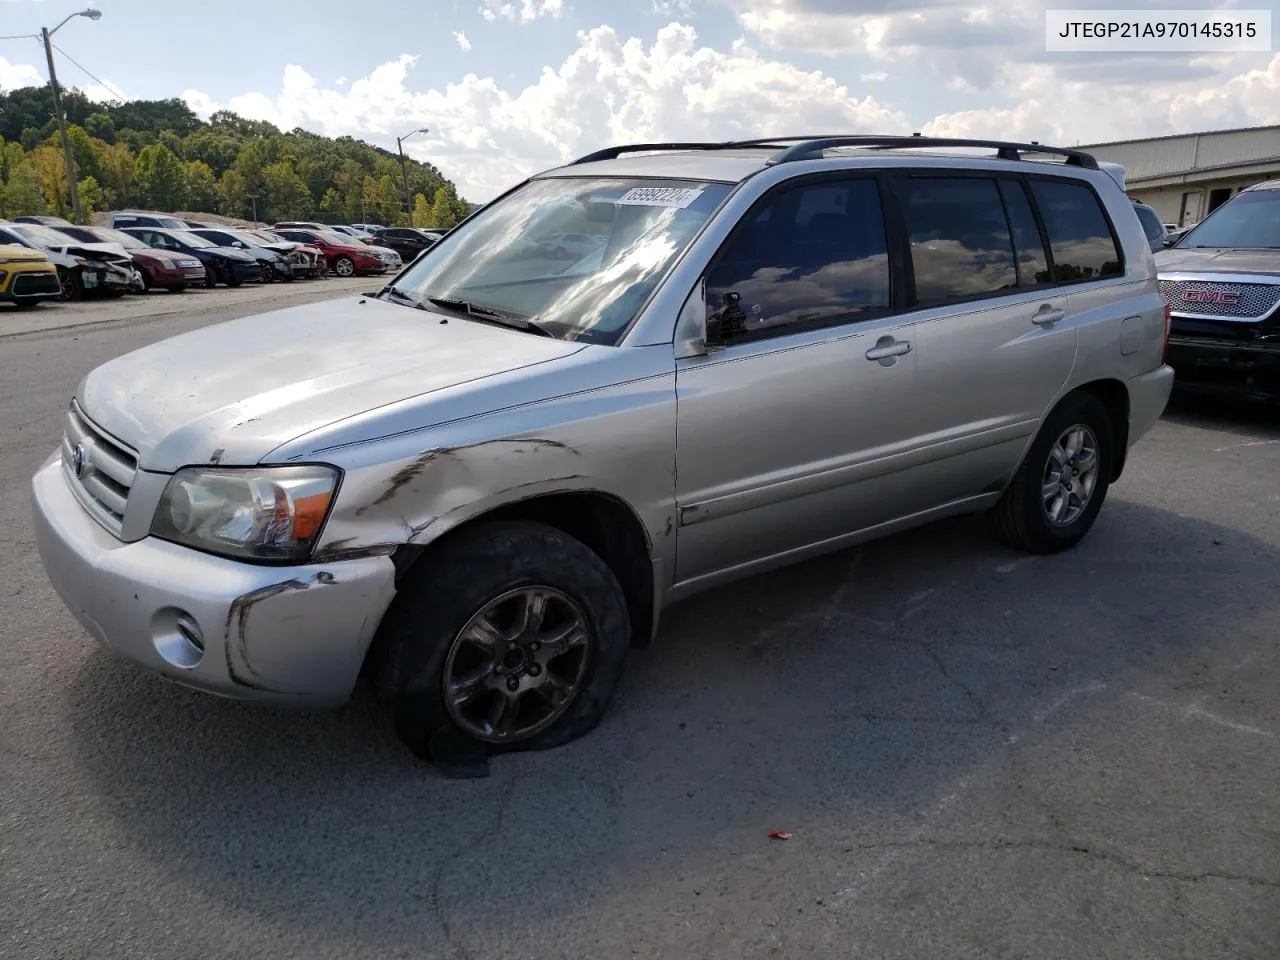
(1168, 322)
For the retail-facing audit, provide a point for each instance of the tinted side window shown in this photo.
(810, 254)
(959, 237)
(1079, 234)
(1028, 247)
(1150, 221)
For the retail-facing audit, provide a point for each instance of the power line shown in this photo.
(102, 83)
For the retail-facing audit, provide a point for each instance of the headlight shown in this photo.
(264, 513)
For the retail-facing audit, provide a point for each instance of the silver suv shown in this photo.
(481, 485)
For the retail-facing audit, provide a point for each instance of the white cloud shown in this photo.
(526, 11)
(608, 90)
(673, 8)
(14, 76)
(463, 42)
(874, 77)
(340, 82)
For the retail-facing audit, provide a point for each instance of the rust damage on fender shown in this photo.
(408, 473)
(239, 616)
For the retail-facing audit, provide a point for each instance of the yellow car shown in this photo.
(27, 276)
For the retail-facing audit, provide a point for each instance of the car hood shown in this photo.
(14, 253)
(1217, 260)
(231, 253)
(233, 392)
(170, 257)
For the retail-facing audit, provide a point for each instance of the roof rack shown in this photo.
(812, 147)
(1005, 150)
(612, 153)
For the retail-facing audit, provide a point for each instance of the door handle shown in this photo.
(1047, 315)
(887, 348)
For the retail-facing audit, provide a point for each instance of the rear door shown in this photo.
(996, 338)
(800, 429)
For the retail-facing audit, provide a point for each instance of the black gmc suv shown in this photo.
(1222, 283)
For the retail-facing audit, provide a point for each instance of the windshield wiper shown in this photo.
(397, 294)
(489, 315)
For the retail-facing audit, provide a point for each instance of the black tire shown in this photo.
(234, 281)
(452, 584)
(178, 288)
(72, 286)
(210, 276)
(1020, 519)
(26, 304)
(344, 266)
(146, 281)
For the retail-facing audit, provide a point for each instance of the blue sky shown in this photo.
(508, 86)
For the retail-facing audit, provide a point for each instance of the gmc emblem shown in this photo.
(1223, 297)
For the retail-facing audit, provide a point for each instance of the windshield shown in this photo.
(578, 256)
(245, 237)
(1249, 221)
(41, 235)
(125, 240)
(193, 239)
(334, 237)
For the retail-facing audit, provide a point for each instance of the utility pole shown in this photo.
(404, 169)
(73, 190)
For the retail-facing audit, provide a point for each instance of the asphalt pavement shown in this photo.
(977, 754)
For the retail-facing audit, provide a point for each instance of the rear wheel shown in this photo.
(513, 635)
(1057, 492)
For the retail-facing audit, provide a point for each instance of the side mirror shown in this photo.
(692, 339)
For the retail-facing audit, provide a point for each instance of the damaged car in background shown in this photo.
(83, 268)
(469, 487)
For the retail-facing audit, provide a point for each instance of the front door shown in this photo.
(797, 431)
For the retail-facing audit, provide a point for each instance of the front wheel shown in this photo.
(344, 267)
(210, 276)
(72, 285)
(1057, 492)
(513, 635)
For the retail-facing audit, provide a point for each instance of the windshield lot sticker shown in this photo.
(678, 197)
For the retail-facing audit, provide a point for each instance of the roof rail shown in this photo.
(1005, 150)
(812, 147)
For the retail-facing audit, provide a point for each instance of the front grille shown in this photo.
(99, 468)
(1253, 300)
(35, 285)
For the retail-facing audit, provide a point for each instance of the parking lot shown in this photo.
(976, 753)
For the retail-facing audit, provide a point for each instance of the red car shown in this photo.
(346, 257)
(163, 269)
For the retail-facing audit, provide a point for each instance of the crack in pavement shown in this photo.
(451, 941)
(1181, 876)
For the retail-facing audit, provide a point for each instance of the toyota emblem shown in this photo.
(78, 457)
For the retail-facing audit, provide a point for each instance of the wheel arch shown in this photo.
(1113, 395)
(606, 524)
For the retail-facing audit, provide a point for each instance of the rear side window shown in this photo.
(1150, 221)
(812, 254)
(1080, 236)
(960, 241)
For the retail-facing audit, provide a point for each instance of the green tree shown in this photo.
(101, 126)
(117, 165)
(235, 193)
(389, 204)
(447, 209)
(421, 212)
(331, 206)
(287, 197)
(21, 196)
(217, 148)
(92, 196)
(202, 187)
(50, 168)
(160, 178)
(170, 140)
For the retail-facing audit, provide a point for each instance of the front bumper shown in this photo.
(289, 636)
(21, 284)
(1226, 367)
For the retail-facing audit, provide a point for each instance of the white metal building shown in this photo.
(1186, 177)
